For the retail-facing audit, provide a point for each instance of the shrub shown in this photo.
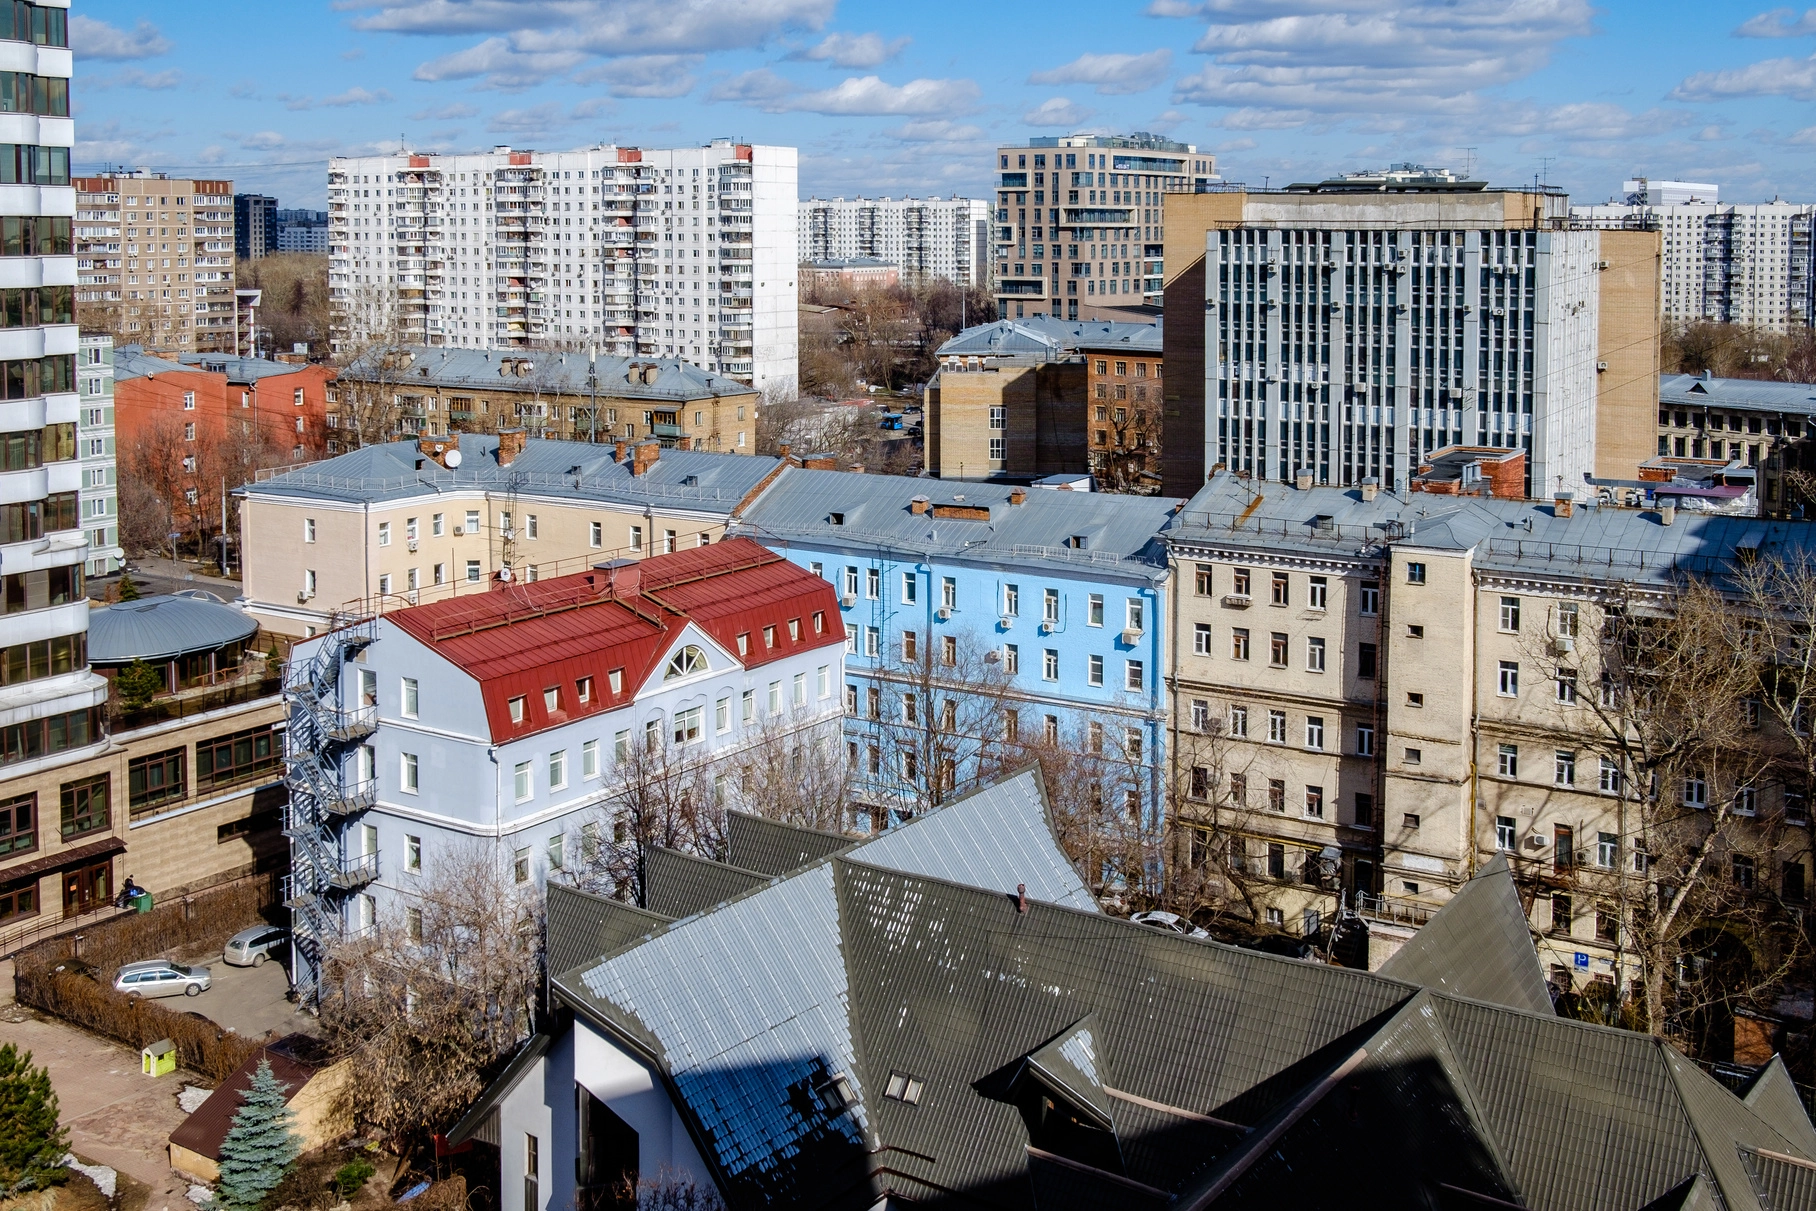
(32, 1145)
(138, 684)
(351, 1176)
(201, 1045)
(128, 587)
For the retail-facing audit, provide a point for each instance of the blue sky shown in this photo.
(911, 98)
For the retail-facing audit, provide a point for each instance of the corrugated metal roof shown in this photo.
(207, 1125)
(1764, 395)
(582, 926)
(550, 372)
(677, 884)
(697, 480)
(1042, 338)
(775, 848)
(1116, 534)
(162, 627)
(1774, 1095)
(1479, 947)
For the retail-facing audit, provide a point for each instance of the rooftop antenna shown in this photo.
(1469, 161)
(1545, 163)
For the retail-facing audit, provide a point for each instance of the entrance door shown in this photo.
(87, 887)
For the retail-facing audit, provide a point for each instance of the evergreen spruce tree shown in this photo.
(138, 683)
(32, 1145)
(260, 1146)
(129, 588)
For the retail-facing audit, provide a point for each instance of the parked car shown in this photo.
(251, 947)
(161, 978)
(1171, 922)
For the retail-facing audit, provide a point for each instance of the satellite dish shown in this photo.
(453, 458)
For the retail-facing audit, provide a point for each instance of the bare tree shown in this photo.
(793, 770)
(373, 344)
(295, 308)
(445, 986)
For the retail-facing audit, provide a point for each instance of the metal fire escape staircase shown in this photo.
(321, 742)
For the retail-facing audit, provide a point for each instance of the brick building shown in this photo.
(157, 258)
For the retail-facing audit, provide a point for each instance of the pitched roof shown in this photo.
(775, 848)
(582, 926)
(549, 372)
(162, 627)
(1041, 338)
(1479, 947)
(1775, 1095)
(677, 884)
(207, 1125)
(521, 640)
(1767, 395)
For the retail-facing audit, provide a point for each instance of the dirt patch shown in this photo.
(76, 1194)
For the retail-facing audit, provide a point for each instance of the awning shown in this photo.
(64, 857)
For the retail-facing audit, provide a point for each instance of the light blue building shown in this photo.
(1042, 611)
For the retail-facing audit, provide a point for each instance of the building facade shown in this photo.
(1382, 694)
(1037, 612)
(682, 252)
(168, 247)
(254, 226)
(1353, 326)
(302, 231)
(1079, 222)
(417, 734)
(96, 443)
(1738, 264)
(1764, 424)
(926, 239)
(408, 523)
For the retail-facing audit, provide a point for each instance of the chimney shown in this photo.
(510, 445)
(1021, 897)
(1371, 488)
(436, 448)
(1017, 495)
(782, 451)
(918, 505)
(857, 468)
(1563, 504)
(1302, 478)
(1707, 376)
(619, 449)
(821, 462)
(684, 443)
(644, 456)
(1667, 511)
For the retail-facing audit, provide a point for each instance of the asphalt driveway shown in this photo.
(247, 1000)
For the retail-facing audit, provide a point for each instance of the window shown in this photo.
(1276, 650)
(520, 866)
(1314, 655)
(1746, 801)
(948, 593)
(189, 401)
(516, 708)
(948, 650)
(1415, 631)
(1415, 573)
(1276, 796)
(18, 830)
(1566, 619)
(595, 534)
(1561, 912)
(1415, 756)
(685, 663)
(1744, 869)
(384, 533)
(529, 526)
(1203, 580)
(1094, 670)
(1315, 593)
(1239, 643)
(1314, 732)
(521, 781)
(769, 636)
(1201, 715)
(1415, 700)
(1094, 610)
(1239, 790)
(1011, 659)
(823, 682)
(1365, 740)
(1240, 580)
(621, 744)
(1507, 761)
(1508, 683)
(472, 571)
(1239, 721)
(1504, 834)
(689, 723)
(636, 536)
(413, 854)
(873, 583)
(84, 805)
(1049, 605)
(775, 697)
(1201, 639)
(1276, 727)
(308, 529)
(1610, 777)
(1566, 686)
(1365, 661)
(1607, 850)
(1314, 802)
(1371, 597)
(1510, 613)
(1011, 600)
(1696, 791)
(1282, 589)
(1134, 675)
(910, 646)
(406, 777)
(1563, 767)
(800, 690)
(156, 779)
(410, 699)
(558, 770)
(910, 587)
(472, 523)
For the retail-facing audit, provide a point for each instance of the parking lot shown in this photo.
(246, 1000)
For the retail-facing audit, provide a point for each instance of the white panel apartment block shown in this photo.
(927, 239)
(683, 252)
(95, 448)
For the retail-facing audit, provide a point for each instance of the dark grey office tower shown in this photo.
(254, 225)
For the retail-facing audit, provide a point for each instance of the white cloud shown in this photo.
(1235, 145)
(1804, 138)
(159, 81)
(1057, 111)
(1265, 119)
(935, 130)
(445, 113)
(760, 87)
(592, 107)
(357, 96)
(533, 119)
(1779, 23)
(264, 140)
(92, 39)
(1767, 78)
(1111, 74)
(853, 50)
(1369, 56)
(856, 96)
(644, 75)
(503, 64)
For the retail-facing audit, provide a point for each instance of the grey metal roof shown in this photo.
(581, 926)
(677, 884)
(131, 361)
(1045, 339)
(240, 369)
(676, 381)
(1759, 395)
(775, 848)
(1118, 532)
(1775, 1095)
(162, 628)
(578, 471)
(1479, 947)
(1526, 537)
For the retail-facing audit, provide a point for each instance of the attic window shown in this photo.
(615, 679)
(837, 519)
(517, 709)
(903, 1088)
(819, 621)
(583, 689)
(688, 661)
(1076, 542)
(551, 699)
(794, 629)
(837, 1093)
(744, 644)
(769, 636)
(691, 481)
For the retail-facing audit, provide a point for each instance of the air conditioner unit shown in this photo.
(1563, 645)
(459, 530)
(943, 613)
(1601, 264)
(848, 600)
(1131, 638)
(1006, 621)
(1499, 311)
(1601, 367)
(1046, 628)
(992, 656)
(412, 544)
(302, 595)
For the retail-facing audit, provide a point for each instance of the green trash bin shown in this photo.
(142, 902)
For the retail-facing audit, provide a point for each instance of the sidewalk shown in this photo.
(114, 1114)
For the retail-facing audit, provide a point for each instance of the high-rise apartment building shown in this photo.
(96, 450)
(1079, 222)
(254, 226)
(171, 240)
(50, 702)
(685, 252)
(1353, 326)
(1753, 265)
(927, 239)
(302, 231)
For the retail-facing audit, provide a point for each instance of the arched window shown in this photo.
(688, 661)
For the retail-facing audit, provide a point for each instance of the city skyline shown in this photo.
(886, 101)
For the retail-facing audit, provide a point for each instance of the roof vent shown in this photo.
(1371, 488)
(1021, 897)
(1325, 522)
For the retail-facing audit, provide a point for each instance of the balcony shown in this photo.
(354, 872)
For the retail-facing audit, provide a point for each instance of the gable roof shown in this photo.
(677, 884)
(548, 372)
(526, 638)
(775, 848)
(1775, 1095)
(1479, 947)
(581, 926)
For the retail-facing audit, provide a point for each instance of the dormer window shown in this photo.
(688, 661)
(517, 709)
(744, 644)
(837, 519)
(1076, 542)
(794, 629)
(583, 689)
(769, 636)
(551, 699)
(615, 679)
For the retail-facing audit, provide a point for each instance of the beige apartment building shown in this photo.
(410, 522)
(155, 255)
(1374, 694)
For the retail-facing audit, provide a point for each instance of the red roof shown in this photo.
(203, 1131)
(524, 639)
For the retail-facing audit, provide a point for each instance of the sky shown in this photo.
(913, 98)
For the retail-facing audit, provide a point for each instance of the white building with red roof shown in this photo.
(512, 717)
